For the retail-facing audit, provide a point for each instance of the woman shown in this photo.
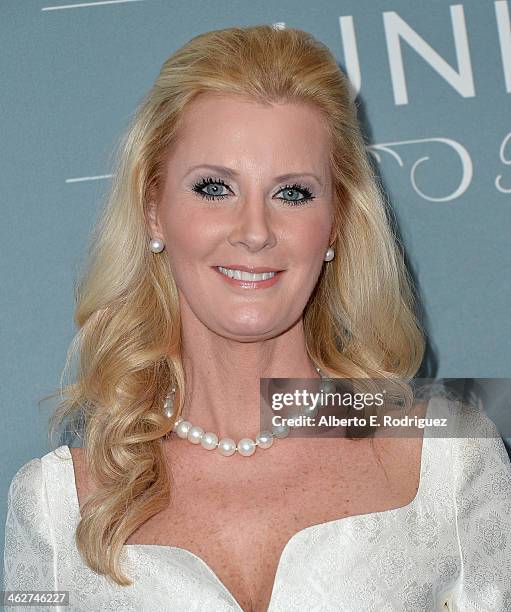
(245, 237)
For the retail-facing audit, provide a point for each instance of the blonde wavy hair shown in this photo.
(359, 321)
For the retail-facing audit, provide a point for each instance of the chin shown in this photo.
(248, 333)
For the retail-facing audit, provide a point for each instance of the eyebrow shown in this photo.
(233, 174)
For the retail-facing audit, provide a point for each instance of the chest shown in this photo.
(240, 528)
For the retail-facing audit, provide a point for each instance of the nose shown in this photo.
(253, 227)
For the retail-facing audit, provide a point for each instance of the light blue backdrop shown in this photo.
(435, 85)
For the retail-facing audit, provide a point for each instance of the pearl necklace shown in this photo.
(226, 446)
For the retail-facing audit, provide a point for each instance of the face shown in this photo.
(266, 204)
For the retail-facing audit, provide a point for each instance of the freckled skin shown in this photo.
(238, 513)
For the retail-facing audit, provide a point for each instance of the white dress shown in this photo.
(449, 549)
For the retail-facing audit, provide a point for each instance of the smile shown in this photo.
(248, 280)
(246, 276)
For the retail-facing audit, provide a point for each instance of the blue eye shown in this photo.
(307, 195)
(212, 185)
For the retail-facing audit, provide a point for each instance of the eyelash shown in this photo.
(197, 188)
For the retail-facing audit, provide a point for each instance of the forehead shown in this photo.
(245, 134)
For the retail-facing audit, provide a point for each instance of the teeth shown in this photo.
(246, 276)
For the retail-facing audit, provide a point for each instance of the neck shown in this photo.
(222, 376)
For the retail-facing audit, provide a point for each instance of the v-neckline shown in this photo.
(292, 540)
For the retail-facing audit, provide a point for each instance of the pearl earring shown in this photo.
(329, 255)
(156, 245)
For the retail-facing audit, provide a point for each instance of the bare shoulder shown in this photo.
(403, 450)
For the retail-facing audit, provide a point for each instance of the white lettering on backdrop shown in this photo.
(466, 164)
(397, 30)
(505, 160)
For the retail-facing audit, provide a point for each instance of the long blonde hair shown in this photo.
(359, 321)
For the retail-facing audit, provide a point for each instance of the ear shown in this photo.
(153, 223)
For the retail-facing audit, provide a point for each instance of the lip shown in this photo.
(253, 269)
(243, 284)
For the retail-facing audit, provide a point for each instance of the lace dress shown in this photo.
(447, 550)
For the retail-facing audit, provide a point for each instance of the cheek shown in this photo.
(309, 242)
(189, 237)
(180, 244)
